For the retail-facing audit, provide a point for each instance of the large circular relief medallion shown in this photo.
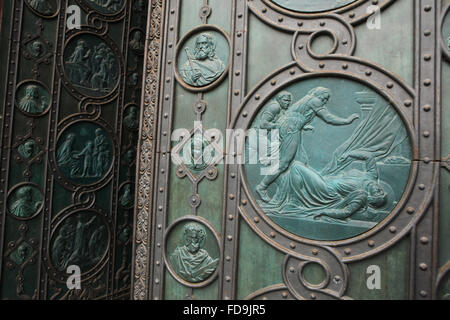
(342, 163)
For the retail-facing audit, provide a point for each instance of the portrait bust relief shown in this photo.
(192, 258)
(202, 57)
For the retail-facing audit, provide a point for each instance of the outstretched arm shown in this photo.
(329, 118)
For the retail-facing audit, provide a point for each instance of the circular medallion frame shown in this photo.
(17, 187)
(42, 15)
(283, 239)
(167, 235)
(66, 182)
(72, 88)
(181, 46)
(56, 224)
(87, 4)
(36, 83)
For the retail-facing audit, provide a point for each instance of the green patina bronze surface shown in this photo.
(204, 58)
(195, 257)
(107, 6)
(312, 6)
(344, 159)
(32, 98)
(84, 153)
(81, 239)
(25, 201)
(91, 65)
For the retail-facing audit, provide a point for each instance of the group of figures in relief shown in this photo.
(80, 240)
(351, 181)
(92, 161)
(92, 65)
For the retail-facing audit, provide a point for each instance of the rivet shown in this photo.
(291, 269)
(280, 19)
(292, 71)
(273, 82)
(421, 187)
(313, 296)
(284, 295)
(427, 82)
(426, 134)
(315, 252)
(423, 266)
(424, 240)
(347, 251)
(257, 97)
(300, 23)
(322, 23)
(238, 72)
(371, 243)
(256, 219)
(410, 210)
(228, 258)
(427, 160)
(368, 73)
(231, 196)
(423, 293)
(345, 66)
(230, 217)
(272, 234)
(427, 108)
(390, 85)
(244, 202)
(230, 238)
(264, 10)
(427, 57)
(408, 103)
(292, 245)
(227, 279)
(427, 33)
(392, 229)
(427, 8)
(236, 92)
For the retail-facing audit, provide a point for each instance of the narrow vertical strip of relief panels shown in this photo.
(8, 111)
(163, 157)
(427, 120)
(147, 151)
(230, 233)
(49, 178)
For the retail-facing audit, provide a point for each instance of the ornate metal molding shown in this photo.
(147, 148)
